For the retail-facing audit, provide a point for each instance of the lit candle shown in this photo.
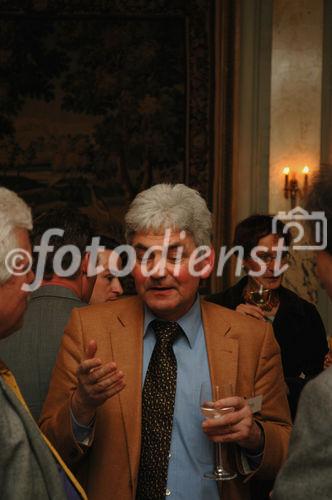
(286, 174)
(305, 172)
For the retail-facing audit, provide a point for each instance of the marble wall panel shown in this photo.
(295, 91)
(295, 112)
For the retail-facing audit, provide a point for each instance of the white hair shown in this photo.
(173, 206)
(14, 213)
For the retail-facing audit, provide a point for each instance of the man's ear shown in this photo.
(87, 282)
(208, 264)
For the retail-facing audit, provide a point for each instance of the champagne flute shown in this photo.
(208, 410)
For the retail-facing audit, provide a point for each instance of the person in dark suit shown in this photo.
(31, 351)
(296, 322)
(297, 325)
(30, 468)
(306, 474)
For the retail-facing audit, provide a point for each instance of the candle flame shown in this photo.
(286, 170)
(306, 170)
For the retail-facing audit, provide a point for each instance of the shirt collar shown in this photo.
(189, 323)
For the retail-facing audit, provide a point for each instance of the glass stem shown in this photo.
(219, 466)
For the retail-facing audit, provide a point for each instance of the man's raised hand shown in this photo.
(97, 382)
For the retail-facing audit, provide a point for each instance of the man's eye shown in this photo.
(143, 257)
(174, 258)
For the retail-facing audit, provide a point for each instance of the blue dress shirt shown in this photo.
(191, 453)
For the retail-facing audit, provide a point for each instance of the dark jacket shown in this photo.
(299, 331)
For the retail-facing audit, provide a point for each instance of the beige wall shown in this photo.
(295, 91)
(295, 133)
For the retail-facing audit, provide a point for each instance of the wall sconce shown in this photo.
(292, 189)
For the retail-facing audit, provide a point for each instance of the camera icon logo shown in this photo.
(295, 218)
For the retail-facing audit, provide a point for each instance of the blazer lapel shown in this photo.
(127, 347)
(222, 351)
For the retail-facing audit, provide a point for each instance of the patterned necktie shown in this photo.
(157, 413)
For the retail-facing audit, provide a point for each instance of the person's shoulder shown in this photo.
(320, 383)
(292, 297)
(231, 297)
(98, 318)
(315, 393)
(239, 323)
(53, 299)
(216, 298)
(124, 305)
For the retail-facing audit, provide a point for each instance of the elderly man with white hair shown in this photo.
(130, 372)
(29, 467)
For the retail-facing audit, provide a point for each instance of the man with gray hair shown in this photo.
(31, 351)
(29, 467)
(145, 437)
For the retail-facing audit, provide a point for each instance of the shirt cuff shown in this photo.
(250, 462)
(82, 433)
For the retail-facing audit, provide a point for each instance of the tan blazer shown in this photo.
(240, 350)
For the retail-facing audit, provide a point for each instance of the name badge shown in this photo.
(255, 403)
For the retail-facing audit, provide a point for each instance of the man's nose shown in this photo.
(274, 263)
(116, 286)
(157, 268)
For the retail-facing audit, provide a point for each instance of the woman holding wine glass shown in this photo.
(297, 325)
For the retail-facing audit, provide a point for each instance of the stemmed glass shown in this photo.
(259, 296)
(208, 410)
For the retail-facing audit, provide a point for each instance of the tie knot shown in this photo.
(166, 331)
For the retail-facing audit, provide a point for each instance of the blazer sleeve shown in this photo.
(307, 472)
(275, 416)
(55, 420)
